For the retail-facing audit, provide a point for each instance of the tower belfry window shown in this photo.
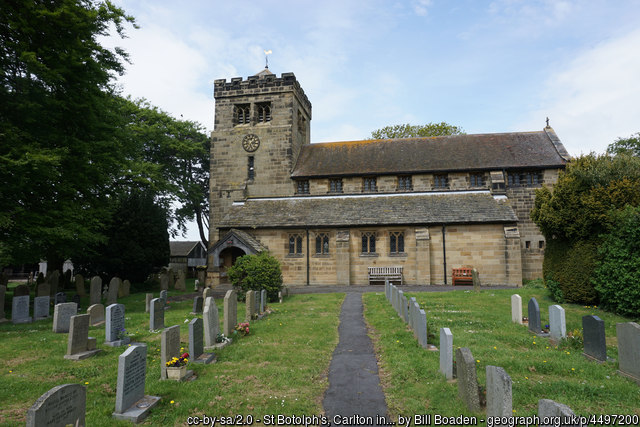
(264, 112)
(241, 114)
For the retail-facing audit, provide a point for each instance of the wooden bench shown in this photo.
(462, 275)
(377, 274)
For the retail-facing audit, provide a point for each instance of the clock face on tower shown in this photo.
(250, 142)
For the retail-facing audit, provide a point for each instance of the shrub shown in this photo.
(617, 275)
(568, 268)
(256, 272)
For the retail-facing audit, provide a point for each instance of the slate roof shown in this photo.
(491, 151)
(182, 248)
(347, 211)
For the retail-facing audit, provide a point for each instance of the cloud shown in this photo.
(595, 98)
(420, 7)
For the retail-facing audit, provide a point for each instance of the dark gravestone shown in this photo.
(467, 379)
(60, 406)
(95, 289)
(20, 310)
(595, 345)
(196, 346)
(197, 305)
(76, 299)
(20, 291)
(156, 314)
(131, 402)
(534, 316)
(628, 335)
(3, 291)
(41, 307)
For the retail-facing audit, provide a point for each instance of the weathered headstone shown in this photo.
(196, 347)
(41, 307)
(467, 379)
(114, 287)
(206, 293)
(628, 335)
(54, 279)
(475, 277)
(250, 313)
(399, 303)
(96, 314)
(3, 292)
(257, 306)
(552, 414)
(263, 300)
(405, 309)
(21, 291)
(79, 279)
(170, 348)
(80, 345)
(197, 305)
(156, 314)
(131, 402)
(115, 332)
(43, 289)
(595, 345)
(557, 324)
(95, 290)
(172, 278)
(534, 316)
(20, 310)
(180, 282)
(76, 299)
(230, 312)
(62, 316)
(61, 406)
(164, 281)
(211, 325)
(280, 297)
(516, 309)
(499, 393)
(126, 286)
(164, 296)
(60, 298)
(147, 305)
(412, 315)
(446, 353)
(422, 328)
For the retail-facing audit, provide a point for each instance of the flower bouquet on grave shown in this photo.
(220, 338)
(177, 367)
(122, 334)
(242, 328)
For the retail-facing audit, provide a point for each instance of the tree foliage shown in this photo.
(629, 146)
(58, 166)
(416, 131)
(617, 277)
(256, 272)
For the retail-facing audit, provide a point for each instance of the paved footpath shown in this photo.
(354, 385)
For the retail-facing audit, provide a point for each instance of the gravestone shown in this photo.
(60, 298)
(62, 405)
(257, 306)
(164, 281)
(164, 296)
(250, 303)
(196, 347)
(534, 317)
(552, 414)
(80, 345)
(3, 292)
(197, 305)
(62, 316)
(399, 303)
(41, 307)
(422, 328)
(170, 348)
(557, 324)
(96, 314)
(54, 280)
(76, 299)
(499, 393)
(475, 277)
(126, 286)
(147, 304)
(206, 293)
(280, 297)
(446, 353)
(79, 279)
(95, 289)
(230, 312)
(180, 281)
(156, 315)
(114, 288)
(595, 345)
(172, 278)
(386, 289)
(516, 309)
(263, 300)
(628, 335)
(21, 291)
(20, 310)
(211, 325)
(131, 402)
(467, 379)
(412, 315)
(43, 289)
(405, 309)
(114, 333)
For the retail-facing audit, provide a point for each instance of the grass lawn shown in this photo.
(482, 322)
(281, 367)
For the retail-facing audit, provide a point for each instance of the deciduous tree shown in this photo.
(416, 131)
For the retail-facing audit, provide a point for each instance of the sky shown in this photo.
(485, 66)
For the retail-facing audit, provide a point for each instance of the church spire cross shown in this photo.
(266, 57)
(547, 121)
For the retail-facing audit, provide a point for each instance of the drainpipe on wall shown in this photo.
(444, 254)
(307, 230)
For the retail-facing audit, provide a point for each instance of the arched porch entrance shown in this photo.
(227, 258)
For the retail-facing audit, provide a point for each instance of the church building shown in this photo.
(329, 211)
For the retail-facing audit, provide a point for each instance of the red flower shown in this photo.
(185, 355)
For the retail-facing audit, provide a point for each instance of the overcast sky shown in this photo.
(486, 66)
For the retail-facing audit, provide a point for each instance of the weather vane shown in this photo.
(547, 121)
(266, 57)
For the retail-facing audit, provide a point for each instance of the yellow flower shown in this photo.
(171, 402)
(10, 371)
(534, 342)
(477, 361)
(544, 361)
(495, 348)
(526, 378)
(86, 382)
(573, 369)
(513, 410)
